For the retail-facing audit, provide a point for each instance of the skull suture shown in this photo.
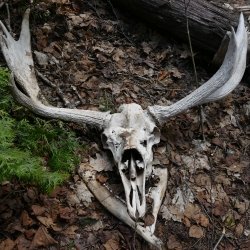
(130, 136)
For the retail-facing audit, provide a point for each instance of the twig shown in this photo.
(195, 243)
(220, 239)
(94, 8)
(45, 79)
(112, 7)
(134, 236)
(65, 100)
(58, 90)
(194, 66)
(146, 91)
(11, 193)
(78, 94)
(190, 42)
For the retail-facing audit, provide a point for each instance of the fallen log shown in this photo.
(208, 23)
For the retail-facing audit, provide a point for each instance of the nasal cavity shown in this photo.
(132, 158)
(131, 152)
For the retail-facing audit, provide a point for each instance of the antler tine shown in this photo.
(18, 56)
(25, 30)
(232, 83)
(222, 82)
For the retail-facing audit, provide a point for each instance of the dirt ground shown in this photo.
(99, 58)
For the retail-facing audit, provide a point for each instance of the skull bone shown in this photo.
(130, 135)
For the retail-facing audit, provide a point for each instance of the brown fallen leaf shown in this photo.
(109, 26)
(219, 209)
(235, 168)
(65, 213)
(7, 244)
(72, 199)
(196, 232)
(22, 243)
(70, 231)
(242, 207)
(25, 219)
(6, 215)
(217, 141)
(38, 210)
(15, 226)
(186, 221)
(222, 179)
(112, 244)
(56, 228)
(146, 47)
(203, 180)
(95, 226)
(203, 220)
(149, 219)
(29, 234)
(163, 74)
(32, 193)
(42, 239)
(173, 243)
(46, 221)
(118, 53)
(192, 210)
(102, 178)
(176, 73)
(239, 230)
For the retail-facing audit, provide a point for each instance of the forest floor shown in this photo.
(100, 58)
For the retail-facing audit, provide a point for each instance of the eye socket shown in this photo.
(144, 143)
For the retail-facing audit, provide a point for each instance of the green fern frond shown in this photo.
(5, 98)
(7, 134)
(33, 150)
(49, 140)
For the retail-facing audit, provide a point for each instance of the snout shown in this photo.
(132, 171)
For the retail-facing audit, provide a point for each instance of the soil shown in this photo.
(99, 58)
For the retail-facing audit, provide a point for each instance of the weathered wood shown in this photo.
(208, 23)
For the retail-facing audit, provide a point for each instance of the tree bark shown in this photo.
(208, 23)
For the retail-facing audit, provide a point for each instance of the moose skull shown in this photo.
(130, 136)
(131, 133)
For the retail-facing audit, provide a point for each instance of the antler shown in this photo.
(222, 82)
(18, 56)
